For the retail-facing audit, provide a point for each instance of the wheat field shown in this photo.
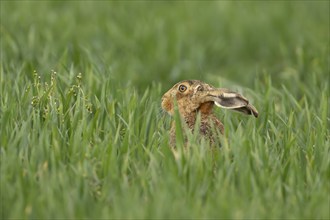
(82, 130)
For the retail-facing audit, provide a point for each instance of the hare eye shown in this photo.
(182, 88)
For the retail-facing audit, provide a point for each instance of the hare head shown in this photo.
(190, 97)
(193, 97)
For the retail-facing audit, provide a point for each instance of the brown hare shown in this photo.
(194, 97)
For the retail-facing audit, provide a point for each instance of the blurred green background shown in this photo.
(145, 41)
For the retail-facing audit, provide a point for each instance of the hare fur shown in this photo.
(195, 97)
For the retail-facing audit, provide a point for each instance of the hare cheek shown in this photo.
(167, 106)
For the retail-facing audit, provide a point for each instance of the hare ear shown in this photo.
(231, 100)
(248, 110)
(235, 101)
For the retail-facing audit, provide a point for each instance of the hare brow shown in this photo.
(190, 82)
